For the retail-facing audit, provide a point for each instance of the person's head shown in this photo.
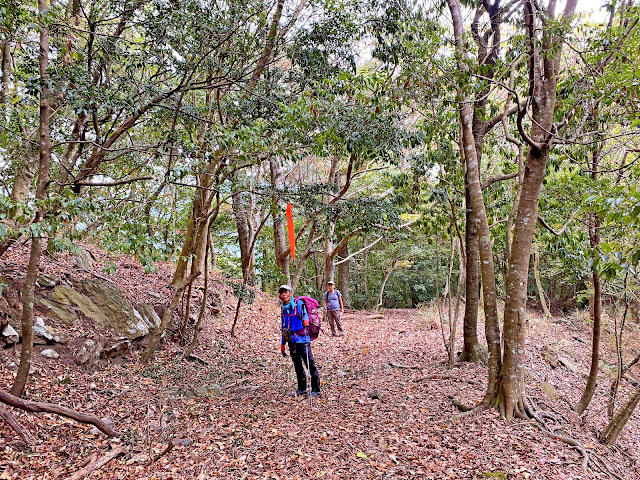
(330, 285)
(284, 293)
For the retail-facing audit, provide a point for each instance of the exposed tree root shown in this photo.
(36, 407)
(459, 405)
(587, 458)
(96, 463)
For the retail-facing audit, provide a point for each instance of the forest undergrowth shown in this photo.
(385, 412)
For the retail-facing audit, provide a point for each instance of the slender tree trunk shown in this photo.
(28, 295)
(365, 276)
(472, 351)
(536, 275)
(479, 214)
(384, 284)
(244, 238)
(6, 61)
(344, 275)
(611, 432)
(596, 300)
(281, 247)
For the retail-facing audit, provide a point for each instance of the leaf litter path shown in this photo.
(248, 428)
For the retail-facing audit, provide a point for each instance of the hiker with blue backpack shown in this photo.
(298, 331)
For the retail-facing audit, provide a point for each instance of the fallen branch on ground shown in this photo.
(446, 377)
(96, 463)
(159, 455)
(37, 407)
(398, 365)
(13, 423)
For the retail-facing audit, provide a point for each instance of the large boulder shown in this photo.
(103, 304)
(120, 314)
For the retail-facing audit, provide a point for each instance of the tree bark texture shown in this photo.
(471, 349)
(543, 62)
(28, 294)
(478, 212)
(344, 274)
(611, 432)
(596, 300)
(281, 246)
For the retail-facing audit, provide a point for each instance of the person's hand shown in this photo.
(305, 323)
(284, 354)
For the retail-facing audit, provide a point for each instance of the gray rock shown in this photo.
(87, 352)
(10, 335)
(12, 366)
(50, 353)
(550, 390)
(39, 328)
(183, 442)
(202, 391)
(568, 364)
(119, 348)
(120, 314)
(216, 390)
(375, 394)
(550, 356)
(48, 281)
(148, 315)
(84, 259)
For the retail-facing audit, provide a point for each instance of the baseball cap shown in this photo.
(330, 282)
(285, 287)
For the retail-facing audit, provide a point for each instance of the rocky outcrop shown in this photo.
(101, 303)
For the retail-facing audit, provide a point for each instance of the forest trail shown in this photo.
(230, 417)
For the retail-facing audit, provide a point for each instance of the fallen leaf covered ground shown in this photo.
(385, 411)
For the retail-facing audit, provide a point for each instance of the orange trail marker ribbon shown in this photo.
(292, 238)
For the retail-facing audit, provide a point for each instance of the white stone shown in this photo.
(50, 353)
(10, 333)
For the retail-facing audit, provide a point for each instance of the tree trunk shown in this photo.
(596, 301)
(6, 61)
(244, 238)
(536, 275)
(478, 215)
(472, 351)
(611, 432)
(281, 246)
(543, 62)
(344, 274)
(384, 284)
(28, 294)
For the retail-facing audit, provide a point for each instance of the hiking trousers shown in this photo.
(335, 320)
(300, 354)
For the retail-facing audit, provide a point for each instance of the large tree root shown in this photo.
(36, 407)
(587, 458)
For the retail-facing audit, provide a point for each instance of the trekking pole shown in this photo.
(306, 346)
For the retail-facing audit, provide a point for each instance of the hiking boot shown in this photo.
(298, 393)
(315, 394)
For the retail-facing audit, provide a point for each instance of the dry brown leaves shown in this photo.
(250, 429)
